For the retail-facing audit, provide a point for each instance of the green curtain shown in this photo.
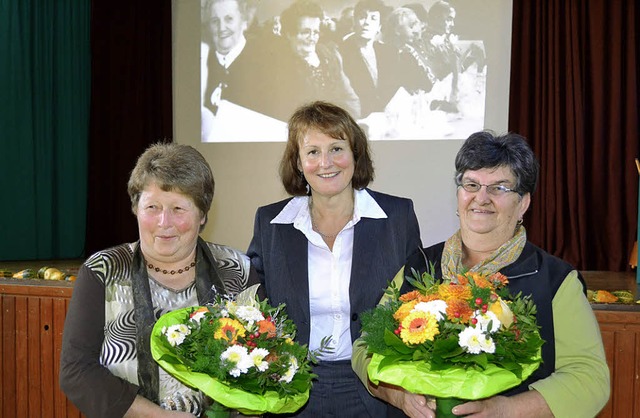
(44, 124)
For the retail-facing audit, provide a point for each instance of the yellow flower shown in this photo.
(418, 327)
(503, 312)
(404, 310)
(230, 330)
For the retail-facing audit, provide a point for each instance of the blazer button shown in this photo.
(354, 317)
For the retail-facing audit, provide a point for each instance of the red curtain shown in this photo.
(131, 107)
(574, 95)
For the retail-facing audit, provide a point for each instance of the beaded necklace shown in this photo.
(172, 272)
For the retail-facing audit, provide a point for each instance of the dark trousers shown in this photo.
(338, 393)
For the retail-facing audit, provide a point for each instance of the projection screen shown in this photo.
(414, 134)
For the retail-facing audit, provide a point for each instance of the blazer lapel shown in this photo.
(295, 275)
(363, 262)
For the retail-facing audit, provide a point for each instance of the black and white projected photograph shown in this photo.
(404, 71)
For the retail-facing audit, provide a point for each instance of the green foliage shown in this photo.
(515, 345)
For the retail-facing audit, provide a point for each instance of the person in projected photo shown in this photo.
(305, 68)
(329, 250)
(495, 178)
(403, 31)
(366, 59)
(446, 57)
(233, 60)
(106, 366)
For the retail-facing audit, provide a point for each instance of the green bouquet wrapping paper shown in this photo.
(236, 398)
(244, 402)
(454, 382)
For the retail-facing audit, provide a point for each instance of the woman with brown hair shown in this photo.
(328, 251)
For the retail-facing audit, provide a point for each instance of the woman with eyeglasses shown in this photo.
(306, 65)
(495, 177)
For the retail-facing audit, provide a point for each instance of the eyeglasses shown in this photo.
(492, 189)
(308, 33)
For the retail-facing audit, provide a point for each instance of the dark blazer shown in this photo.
(380, 248)
(242, 83)
(373, 97)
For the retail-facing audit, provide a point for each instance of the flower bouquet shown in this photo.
(457, 341)
(240, 352)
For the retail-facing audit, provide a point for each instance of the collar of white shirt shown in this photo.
(297, 211)
(226, 60)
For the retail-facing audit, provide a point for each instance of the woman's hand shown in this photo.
(415, 406)
(524, 405)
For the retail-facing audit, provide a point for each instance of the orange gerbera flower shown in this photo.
(404, 310)
(268, 327)
(454, 291)
(230, 330)
(459, 309)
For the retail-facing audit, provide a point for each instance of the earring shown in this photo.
(457, 214)
(306, 183)
(520, 221)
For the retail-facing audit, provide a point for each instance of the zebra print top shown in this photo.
(118, 353)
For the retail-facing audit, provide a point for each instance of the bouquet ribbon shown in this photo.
(245, 402)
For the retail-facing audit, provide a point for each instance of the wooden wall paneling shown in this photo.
(31, 330)
(621, 336)
(34, 359)
(49, 379)
(57, 326)
(22, 359)
(636, 386)
(607, 339)
(7, 351)
(624, 380)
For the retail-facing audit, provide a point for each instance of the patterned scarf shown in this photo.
(507, 253)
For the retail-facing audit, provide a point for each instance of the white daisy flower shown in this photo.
(249, 314)
(176, 333)
(437, 308)
(293, 368)
(257, 358)
(487, 344)
(239, 357)
(487, 322)
(471, 339)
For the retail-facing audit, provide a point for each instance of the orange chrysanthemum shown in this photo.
(499, 279)
(268, 327)
(409, 296)
(459, 310)
(230, 330)
(404, 310)
(454, 291)
(483, 282)
(462, 279)
(419, 327)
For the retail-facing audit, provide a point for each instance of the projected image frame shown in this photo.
(404, 71)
